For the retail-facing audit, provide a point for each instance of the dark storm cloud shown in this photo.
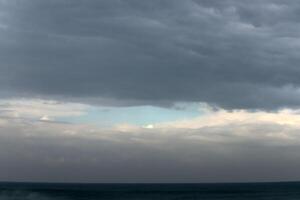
(235, 54)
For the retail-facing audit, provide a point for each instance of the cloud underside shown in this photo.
(231, 53)
(220, 146)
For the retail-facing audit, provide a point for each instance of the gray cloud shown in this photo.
(235, 54)
(39, 151)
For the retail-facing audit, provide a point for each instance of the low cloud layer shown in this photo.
(231, 53)
(249, 148)
(34, 109)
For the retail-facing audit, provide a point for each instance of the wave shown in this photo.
(25, 195)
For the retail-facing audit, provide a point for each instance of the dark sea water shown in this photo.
(23, 191)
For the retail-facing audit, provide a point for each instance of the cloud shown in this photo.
(46, 110)
(240, 57)
(249, 147)
(232, 54)
(224, 118)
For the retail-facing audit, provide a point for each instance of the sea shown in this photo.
(236, 191)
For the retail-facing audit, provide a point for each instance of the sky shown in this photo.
(160, 91)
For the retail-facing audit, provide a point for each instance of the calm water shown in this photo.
(148, 191)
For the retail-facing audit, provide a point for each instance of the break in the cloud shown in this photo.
(230, 53)
(102, 116)
(224, 146)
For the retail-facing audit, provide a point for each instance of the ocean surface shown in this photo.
(38, 191)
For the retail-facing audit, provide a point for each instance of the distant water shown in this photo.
(268, 191)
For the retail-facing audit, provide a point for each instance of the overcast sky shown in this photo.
(149, 91)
